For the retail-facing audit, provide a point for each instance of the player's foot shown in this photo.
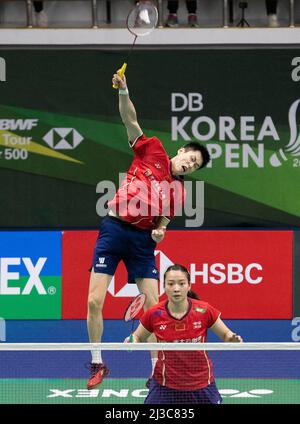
(41, 19)
(273, 21)
(193, 21)
(172, 21)
(98, 372)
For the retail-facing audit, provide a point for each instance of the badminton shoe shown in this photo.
(172, 21)
(98, 372)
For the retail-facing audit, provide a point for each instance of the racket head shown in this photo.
(142, 19)
(135, 307)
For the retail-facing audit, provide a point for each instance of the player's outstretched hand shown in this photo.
(158, 234)
(130, 339)
(120, 82)
(235, 338)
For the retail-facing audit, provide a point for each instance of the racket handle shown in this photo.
(131, 338)
(121, 72)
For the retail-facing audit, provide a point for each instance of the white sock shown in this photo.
(96, 356)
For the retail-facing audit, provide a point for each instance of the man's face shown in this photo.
(186, 162)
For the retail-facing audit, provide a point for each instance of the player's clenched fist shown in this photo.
(118, 81)
(158, 234)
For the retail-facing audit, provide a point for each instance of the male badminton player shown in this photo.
(182, 376)
(137, 219)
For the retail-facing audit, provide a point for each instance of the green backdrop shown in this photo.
(254, 181)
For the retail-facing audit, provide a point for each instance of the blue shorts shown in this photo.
(164, 395)
(118, 240)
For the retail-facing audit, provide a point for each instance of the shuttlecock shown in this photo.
(144, 16)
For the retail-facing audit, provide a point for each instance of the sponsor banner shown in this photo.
(64, 150)
(30, 275)
(244, 274)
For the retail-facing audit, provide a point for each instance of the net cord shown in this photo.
(146, 346)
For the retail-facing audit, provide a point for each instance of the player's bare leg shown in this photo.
(149, 286)
(97, 292)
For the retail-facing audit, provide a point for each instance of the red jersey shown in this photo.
(182, 370)
(149, 189)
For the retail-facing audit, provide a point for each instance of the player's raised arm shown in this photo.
(225, 334)
(127, 109)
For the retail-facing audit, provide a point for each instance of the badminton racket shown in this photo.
(133, 310)
(141, 21)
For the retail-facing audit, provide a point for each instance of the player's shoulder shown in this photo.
(157, 310)
(153, 141)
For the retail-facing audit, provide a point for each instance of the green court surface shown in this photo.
(133, 391)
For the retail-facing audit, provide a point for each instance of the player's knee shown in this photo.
(94, 304)
(151, 301)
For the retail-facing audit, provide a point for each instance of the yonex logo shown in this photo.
(101, 260)
(63, 138)
(34, 280)
(162, 327)
(253, 393)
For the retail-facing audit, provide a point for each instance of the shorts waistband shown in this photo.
(125, 223)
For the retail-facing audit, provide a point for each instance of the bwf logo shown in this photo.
(2, 69)
(2, 330)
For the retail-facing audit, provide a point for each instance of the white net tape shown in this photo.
(148, 346)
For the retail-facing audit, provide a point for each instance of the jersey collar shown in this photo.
(179, 319)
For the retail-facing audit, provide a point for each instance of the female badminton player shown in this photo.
(182, 377)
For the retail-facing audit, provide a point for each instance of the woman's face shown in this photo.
(176, 286)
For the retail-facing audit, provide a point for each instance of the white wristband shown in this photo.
(123, 91)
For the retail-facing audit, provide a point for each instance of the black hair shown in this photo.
(194, 145)
(178, 267)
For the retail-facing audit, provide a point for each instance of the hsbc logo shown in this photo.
(8, 279)
(231, 273)
(216, 273)
(63, 138)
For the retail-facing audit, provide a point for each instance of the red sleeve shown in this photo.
(144, 147)
(146, 320)
(212, 315)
